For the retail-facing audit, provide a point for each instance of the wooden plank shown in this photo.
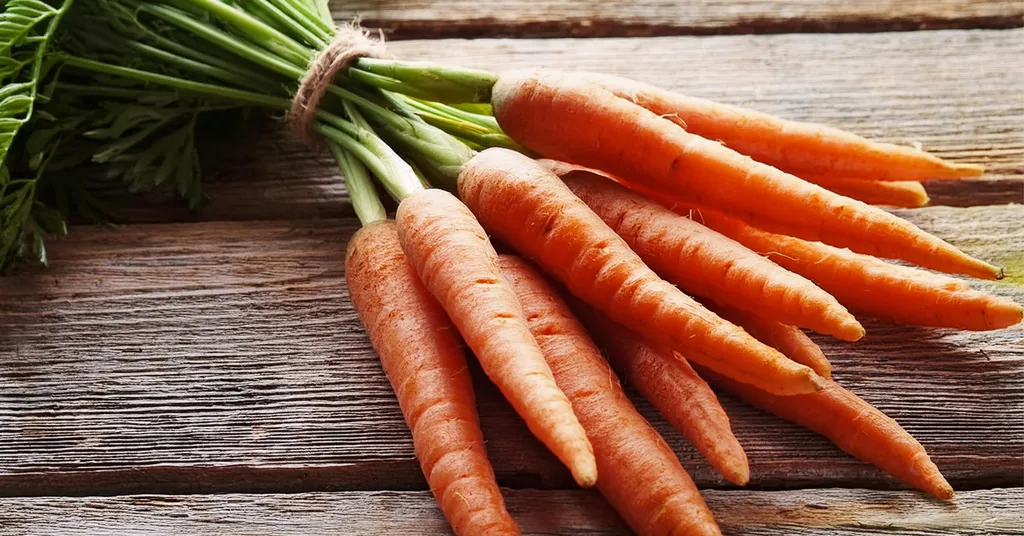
(225, 356)
(417, 19)
(954, 92)
(829, 512)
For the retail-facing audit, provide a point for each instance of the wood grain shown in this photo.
(829, 512)
(225, 356)
(955, 92)
(404, 19)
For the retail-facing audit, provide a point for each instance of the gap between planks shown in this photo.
(832, 512)
(405, 19)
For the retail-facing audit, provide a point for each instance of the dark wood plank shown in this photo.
(954, 92)
(828, 512)
(405, 19)
(225, 356)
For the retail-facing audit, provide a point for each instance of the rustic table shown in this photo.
(206, 373)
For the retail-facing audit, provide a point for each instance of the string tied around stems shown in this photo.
(350, 43)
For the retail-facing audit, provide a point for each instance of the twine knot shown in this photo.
(350, 43)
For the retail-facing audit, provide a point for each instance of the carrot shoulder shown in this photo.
(422, 356)
(547, 112)
(671, 385)
(868, 285)
(640, 476)
(789, 340)
(792, 146)
(705, 263)
(458, 265)
(533, 211)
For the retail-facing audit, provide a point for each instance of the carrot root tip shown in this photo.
(737, 473)
(851, 331)
(584, 472)
(943, 490)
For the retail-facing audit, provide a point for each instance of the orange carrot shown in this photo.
(868, 285)
(533, 211)
(791, 146)
(563, 117)
(458, 265)
(906, 194)
(671, 385)
(705, 263)
(853, 425)
(789, 340)
(423, 359)
(640, 476)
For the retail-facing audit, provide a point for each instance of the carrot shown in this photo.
(868, 285)
(458, 265)
(853, 425)
(703, 262)
(640, 476)
(423, 359)
(791, 146)
(671, 385)
(569, 119)
(906, 194)
(530, 209)
(789, 340)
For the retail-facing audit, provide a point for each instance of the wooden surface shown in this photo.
(217, 353)
(225, 356)
(601, 18)
(837, 512)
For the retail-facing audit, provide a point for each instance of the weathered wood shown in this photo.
(957, 93)
(225, 356)
(405, 19)
(829, 512)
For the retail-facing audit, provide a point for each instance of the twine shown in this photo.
(350, 43)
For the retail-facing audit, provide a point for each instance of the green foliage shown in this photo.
(116, 92)
(55, 134)
(27, 28)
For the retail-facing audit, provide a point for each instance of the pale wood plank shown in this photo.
(405, 19)
(226, 356)
(828, 512)
(955, 92)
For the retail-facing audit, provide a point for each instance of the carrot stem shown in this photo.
(360, 187)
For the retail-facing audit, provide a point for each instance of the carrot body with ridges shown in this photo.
(853, 425)
(907, 194)
(547, 112)
(640, 476)
(868, 285)
(530, 209)
(458, 265)
(792, 146)
(423, 358)
(789, 340)
(671, 385)
(705, 263)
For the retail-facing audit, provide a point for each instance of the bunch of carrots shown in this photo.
(640, 212)
(692, 240)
